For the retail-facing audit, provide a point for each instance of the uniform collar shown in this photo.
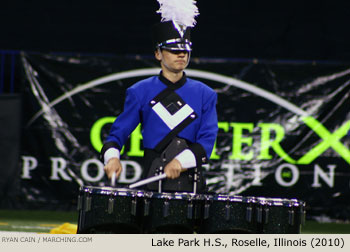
(170, 84)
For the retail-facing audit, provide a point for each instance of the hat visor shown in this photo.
(177, 47)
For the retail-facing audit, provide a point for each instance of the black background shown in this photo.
(302, 30)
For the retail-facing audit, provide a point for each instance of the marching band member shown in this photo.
(177, 114)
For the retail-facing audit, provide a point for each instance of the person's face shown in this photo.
(174, 61)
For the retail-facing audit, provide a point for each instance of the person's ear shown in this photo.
(158, 55)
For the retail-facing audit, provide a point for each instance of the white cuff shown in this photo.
(186, 159)
(111, 153)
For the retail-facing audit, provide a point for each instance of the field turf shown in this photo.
(44, 221)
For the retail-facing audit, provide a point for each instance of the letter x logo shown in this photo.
(329, 140)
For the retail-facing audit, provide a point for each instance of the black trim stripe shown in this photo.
(160, 96)
(167, 139)
(106, 146)
(199, 153)
(172, 85)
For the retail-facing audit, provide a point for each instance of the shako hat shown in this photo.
(174, 31)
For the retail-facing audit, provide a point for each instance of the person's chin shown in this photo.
(180, 66)
(179, 70)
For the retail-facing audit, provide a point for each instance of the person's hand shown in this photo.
(113, 166)
(173, 169)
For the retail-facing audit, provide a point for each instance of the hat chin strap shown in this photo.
(188, 58)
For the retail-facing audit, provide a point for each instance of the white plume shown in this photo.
(182, 12)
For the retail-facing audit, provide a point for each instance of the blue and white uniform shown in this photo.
(188, 106)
